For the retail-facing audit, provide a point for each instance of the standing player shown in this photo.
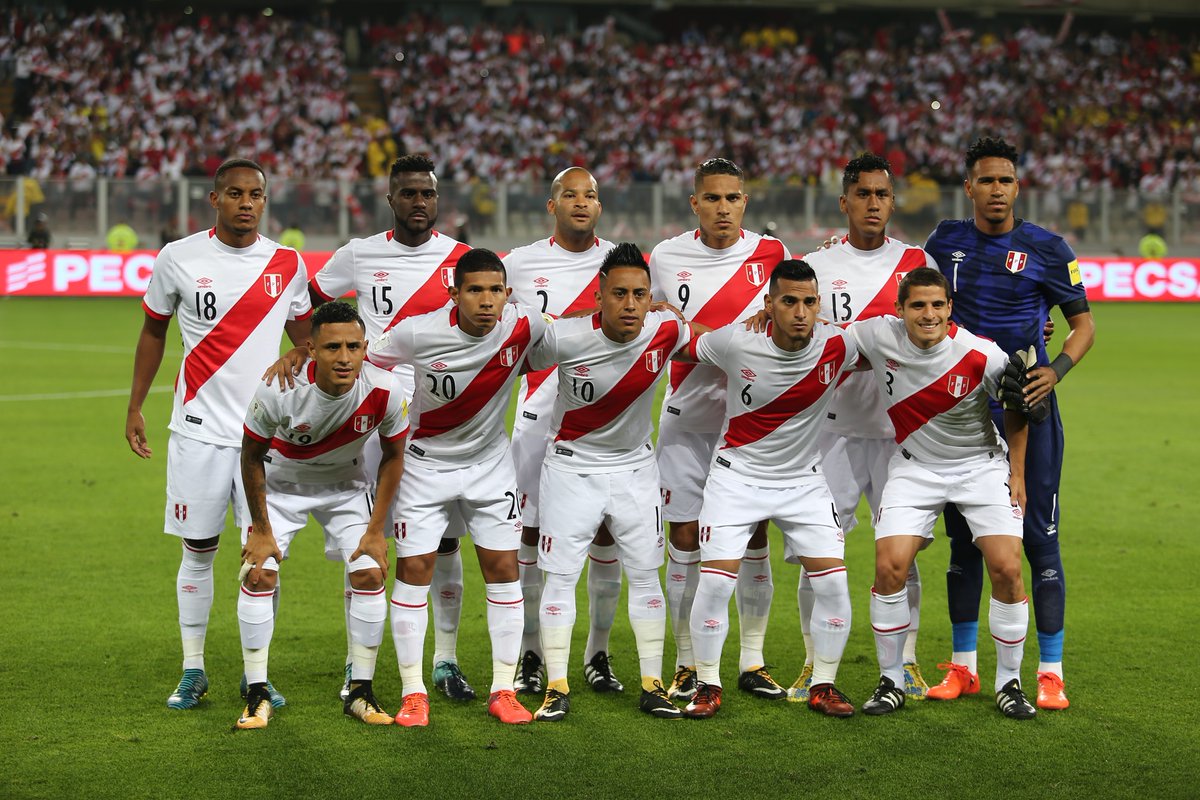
(233, 292)
(860, 274)
(714, 275)
(394, 275)
(768, 463)
(312, 435)
(1005, 274)
(466, 360)
(559, 275)
(600, 468)
(936, 378)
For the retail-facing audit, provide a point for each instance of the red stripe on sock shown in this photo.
(713, 571)
(369, 592)
(257, 594)
(1006, 641)
(506, 602)
(823, 573)
(408, 605)
(889, 630)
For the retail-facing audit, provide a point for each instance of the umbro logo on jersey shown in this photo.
(1015, 261)
(364, 423)
(447, 276)
(582, 370)
(958, 255)
(540, 281)
(825, 372)
(892, 364)
(683, 276)
(380, 277)
(749, 374)
(958, 385)
(302, 428)
(204, 283)
(438, 365)
(756, 272)
(508, 356)
(273, 284)
(654, 361)
(839, 283)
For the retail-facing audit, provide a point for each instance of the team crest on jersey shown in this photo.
(508, 356)
(364, 423)
(900, 277)
(273, 284)
(181, 511)
(654, 360)
(825, 372)
(447, 276)
(1015, 261)
(756, 272)
(958, 385)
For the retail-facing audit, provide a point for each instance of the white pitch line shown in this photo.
(12, 398)
(76, 347)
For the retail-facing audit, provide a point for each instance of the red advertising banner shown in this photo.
(99, 273)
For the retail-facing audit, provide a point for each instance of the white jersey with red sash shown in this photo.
(713, 288)
(937, 398)
(602, 416)
(777, 401)
(860, 284)
(319, 438)
(231, 304)
(463, 382)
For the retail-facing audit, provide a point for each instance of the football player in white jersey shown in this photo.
(301, 455)
(397, 274)
(234, 293)
(715, 275)
(767, 462)
(559, 275)
(600, 467)
(466, 360)
(859, 275)
(936, 378)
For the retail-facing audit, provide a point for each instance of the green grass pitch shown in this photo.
(90, 650)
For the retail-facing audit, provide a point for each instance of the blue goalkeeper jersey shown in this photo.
(1003, 287)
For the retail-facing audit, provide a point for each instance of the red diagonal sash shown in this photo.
(586, 299)
(433, 294)
(580, 421)
(884, 303)
(915, 410)
(211, 353)
(374, 404)
(761, 422)
(480, 391)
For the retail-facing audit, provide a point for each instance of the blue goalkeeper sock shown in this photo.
(965, 635)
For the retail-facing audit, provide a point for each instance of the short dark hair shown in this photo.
(716, 166)
(237, 163)
(624, 254)
(987, 147)
(865, 162)
(413, 162)
(333, 312)
(921, 276)
(792, 269)
(478, 260)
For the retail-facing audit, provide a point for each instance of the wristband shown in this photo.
(1061, 365)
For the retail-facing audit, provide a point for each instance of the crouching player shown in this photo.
(767, 464)
(600, 468)
(301, 455)
(936, 378)
(466, 360)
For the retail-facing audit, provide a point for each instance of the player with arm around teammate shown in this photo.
(767, 462)
(936, 378)
(466, 360)
(302, 454)
(859, 274)
(600, 468)
(560, 276)
(233, 292)
(1005, 274)
(714, 275)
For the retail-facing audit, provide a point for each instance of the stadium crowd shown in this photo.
(138, 94)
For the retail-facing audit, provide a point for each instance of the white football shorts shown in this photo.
(804, 512)
(854, 467)
(529, 438)
(574, 505)
(915, 495)
(202, 480)
(483, 496)
(683, 462)
(341, 509)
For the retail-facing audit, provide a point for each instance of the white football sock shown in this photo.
(531, 590)
(753, 594)
(557, 618)
(830, 622)
(970, 660)
(804, 601)
(194, 592)
(256, 623)
(604, 590)
(505, 618)
(683, 574)
(710, 621)
(410, 619)
(889, 621)
(1008, 622)
(1053, 667)
(913, 584)
(368, 612)
(648, 618)
(446, 592)
(347, 591)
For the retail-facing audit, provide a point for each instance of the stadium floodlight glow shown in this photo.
(268, 11)
(935, 105)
